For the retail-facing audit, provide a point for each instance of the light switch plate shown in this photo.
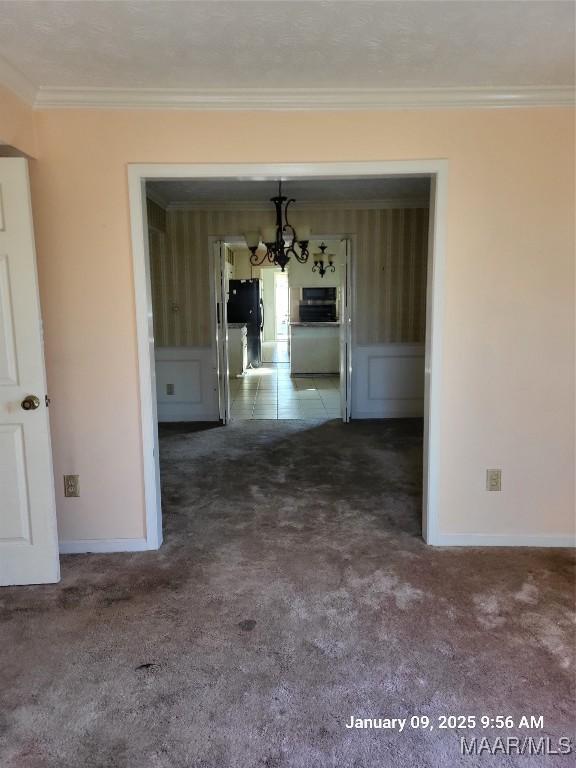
(72, 485)
(493, 479)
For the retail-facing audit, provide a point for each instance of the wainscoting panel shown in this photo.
(387, 381)
(186, 384)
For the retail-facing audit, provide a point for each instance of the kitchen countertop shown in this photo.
(315, 325)
(236, 325)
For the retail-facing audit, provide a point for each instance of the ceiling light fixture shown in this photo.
(319, 261)
(281, 240)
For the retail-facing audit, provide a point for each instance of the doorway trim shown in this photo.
(347, 324)
(140, 173)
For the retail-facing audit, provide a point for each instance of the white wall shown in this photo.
(507, 360)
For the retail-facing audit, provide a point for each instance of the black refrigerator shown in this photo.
(245, 306)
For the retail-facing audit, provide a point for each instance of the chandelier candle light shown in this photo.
(280, 241)
(319, 265)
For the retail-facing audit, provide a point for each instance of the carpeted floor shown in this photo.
(292, 593)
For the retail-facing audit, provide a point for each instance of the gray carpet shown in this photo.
(293, 592)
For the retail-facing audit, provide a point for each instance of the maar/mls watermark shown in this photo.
(473, 744)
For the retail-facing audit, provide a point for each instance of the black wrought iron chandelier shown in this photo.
(320, 265)
(282, 241)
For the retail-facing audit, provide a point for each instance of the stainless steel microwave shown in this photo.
(319, 294)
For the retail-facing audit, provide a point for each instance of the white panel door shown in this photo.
(346, 328)
(28, 539)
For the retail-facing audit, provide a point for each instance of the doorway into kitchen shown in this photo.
(284, 338)
(276, 345)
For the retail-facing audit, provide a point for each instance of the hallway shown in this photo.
(293, 591)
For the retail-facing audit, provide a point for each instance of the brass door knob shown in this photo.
(30, 403)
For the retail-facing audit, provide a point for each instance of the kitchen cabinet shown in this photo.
(314, 348)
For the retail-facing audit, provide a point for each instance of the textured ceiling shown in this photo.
(304, 190)
(246, 44)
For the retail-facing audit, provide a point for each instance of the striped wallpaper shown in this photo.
(156, 216)
(390, 266)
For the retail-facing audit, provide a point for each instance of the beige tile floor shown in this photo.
(269, 392)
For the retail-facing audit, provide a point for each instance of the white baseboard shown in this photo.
(82, 546)
(502, 540)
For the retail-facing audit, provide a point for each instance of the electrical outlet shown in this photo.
(169, 389)
(71, 485)
(493, 479)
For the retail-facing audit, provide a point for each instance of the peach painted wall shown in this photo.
(508, 357)
(17, 123)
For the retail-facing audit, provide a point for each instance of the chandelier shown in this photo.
(281, 240)
(319, 265)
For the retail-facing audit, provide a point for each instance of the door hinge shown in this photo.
(47, 400)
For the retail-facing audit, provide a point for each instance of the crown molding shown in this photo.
(268, 99)
(303, 205)
(16, 82)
